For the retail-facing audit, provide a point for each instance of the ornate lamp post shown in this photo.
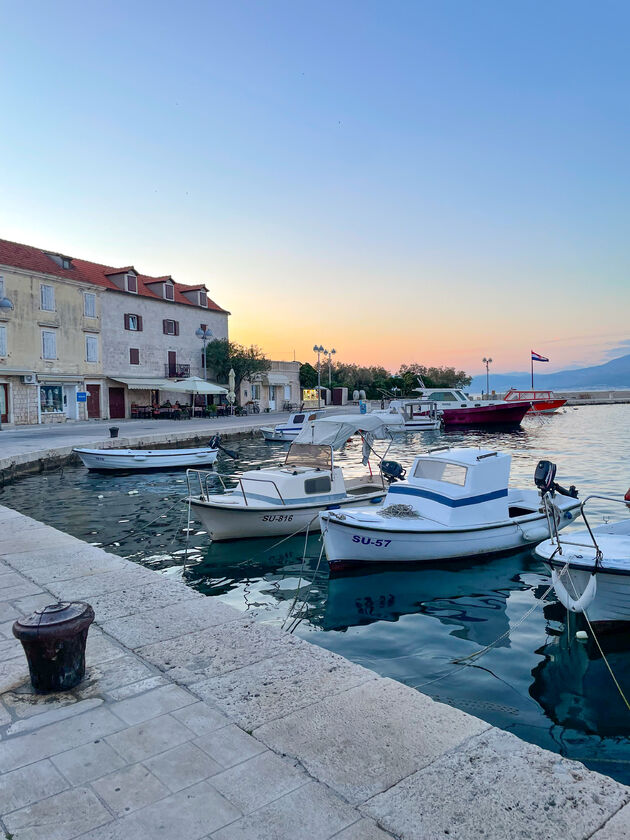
(205, 336)
(319, 349)
(5, 306)
(487, 363)
(330, 354)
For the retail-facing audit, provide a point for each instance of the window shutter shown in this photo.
(126, 322)
(3, 341)
(134, 356)
(176, 323)
(164, 327)
(139, 323)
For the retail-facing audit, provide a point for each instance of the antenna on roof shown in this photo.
(420, 382)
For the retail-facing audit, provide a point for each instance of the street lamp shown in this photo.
(330, 354)
(487, 363)
(205, 336)
(319, 349)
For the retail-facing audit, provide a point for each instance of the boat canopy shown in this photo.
(337, 428)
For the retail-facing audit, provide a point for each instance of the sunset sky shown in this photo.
(404, 181)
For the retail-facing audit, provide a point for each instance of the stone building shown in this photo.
(276, 389)
(78, 330)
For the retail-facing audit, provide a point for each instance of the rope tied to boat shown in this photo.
(401, 512)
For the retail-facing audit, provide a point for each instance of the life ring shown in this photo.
(583, 602)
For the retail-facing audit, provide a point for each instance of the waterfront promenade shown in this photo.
(197, 721)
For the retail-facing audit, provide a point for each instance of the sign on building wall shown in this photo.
(82, 396)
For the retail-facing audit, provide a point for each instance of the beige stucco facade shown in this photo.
(50, 347)
(275, 390)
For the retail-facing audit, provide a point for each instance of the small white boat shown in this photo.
(286, 500)
(146, 459)
(289, 430)
(412, 415)
(590, 569)
(455, 503)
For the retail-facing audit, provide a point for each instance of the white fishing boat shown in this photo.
(289, 430)
(411, 415)
(455, 503)
(287, 499)
(146, 459)
(590, 569)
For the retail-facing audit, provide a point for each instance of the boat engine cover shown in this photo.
(392, 470)
(544, 476)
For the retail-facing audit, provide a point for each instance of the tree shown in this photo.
(308, 376)
(222, 354)
(433, 377)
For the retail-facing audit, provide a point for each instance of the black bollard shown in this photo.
(54, 641)
(113, 431)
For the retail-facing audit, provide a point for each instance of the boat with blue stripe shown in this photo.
(291, 428)
(455, 503)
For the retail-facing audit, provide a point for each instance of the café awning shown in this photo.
(145, 384)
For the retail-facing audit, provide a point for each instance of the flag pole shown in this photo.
(532, 358)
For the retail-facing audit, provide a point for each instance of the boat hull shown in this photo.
(223, 521)
(546, 406)
(611, 603)
(496, 414)
(351, 543)
(139, 459)
(272, 435)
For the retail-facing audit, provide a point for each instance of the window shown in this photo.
(255, 391)
(132, 283)
(65, 262)
(51, 398)
(442, 396)
(441, 471)
(299, 418)
(133, 322)
(91, 348)
(47, 298)
(169, 292)
(321, 484)
(3, 340)
(49, 344)
(134, 356)
(89, 305)
(170, 327)
(203, 299)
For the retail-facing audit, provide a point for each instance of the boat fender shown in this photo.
(585, 599)
(333, 507)
(536, 534)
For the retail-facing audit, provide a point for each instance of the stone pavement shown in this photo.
(196, 721)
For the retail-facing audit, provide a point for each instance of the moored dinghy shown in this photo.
(148, 459)
(455, 503)
(590, 569)
(285, 500)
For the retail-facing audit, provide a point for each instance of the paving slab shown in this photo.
(365, 829)
(230, 745)
(497, 786)
(159, 701)
(87, 762)
(154, 594)
(49, 716)
(84, 588)
(259, 781)
(201, 718)
(616, 828)
(366, 739)
(183, 766)
(129, 789)
(60, 817)
(169, 622)
(312, 809)
(136, 743)
(26, 785)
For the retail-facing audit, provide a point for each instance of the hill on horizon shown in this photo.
(612, 374)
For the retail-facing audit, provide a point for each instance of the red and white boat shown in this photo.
(541, 402)
(458, 410)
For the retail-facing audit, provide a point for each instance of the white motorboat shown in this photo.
(146, 459)
(288, 431)
(455, 503)
(412, 415)
(288, 499)
(590, 569)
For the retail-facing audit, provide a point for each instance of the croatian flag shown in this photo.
(536, 357)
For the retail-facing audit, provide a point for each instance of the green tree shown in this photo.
(433, 377)
(308, 376)
(222, 354)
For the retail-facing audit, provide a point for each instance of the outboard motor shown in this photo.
(544, 479)
(393, 471)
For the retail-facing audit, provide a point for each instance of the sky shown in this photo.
(428, 182)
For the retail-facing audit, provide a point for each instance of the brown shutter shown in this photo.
(176, 327)
(134, 356)
(126, 322)
(164, 327)
(139, 317)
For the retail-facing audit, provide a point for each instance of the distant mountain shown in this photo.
(613, 374)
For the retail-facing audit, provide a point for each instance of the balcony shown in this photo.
(176, 371)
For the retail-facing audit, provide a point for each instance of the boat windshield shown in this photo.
(441, 471)
(309, 455)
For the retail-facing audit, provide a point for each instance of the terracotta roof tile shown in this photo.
(30, 258)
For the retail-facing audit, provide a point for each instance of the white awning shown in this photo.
(336, 429)
(277, 379)
(194, 385)
(145, 384)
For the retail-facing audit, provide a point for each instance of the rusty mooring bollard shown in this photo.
(54, 640)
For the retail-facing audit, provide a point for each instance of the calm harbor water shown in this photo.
(408, 624)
